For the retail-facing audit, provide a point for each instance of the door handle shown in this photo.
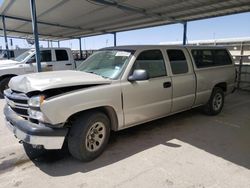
(167, 84)
(49, 65)
(68, 64)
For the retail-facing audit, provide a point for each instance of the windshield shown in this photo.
(23, 56)
(2, 55)
(107, 63)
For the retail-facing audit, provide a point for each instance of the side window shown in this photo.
(203, 58)
(11, 53)
(45, 55)
(32, 59)
(62, 55)
(178, 61)
(209, 58)
(151, 61)
(221, 57)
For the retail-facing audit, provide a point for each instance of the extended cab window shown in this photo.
(152, 61)
(45, 55)
(62, 55)
(178, 61)
(221, 57)
(209, 58)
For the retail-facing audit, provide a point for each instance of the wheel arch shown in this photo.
(222, 85)
(7, 76)
(107, 110)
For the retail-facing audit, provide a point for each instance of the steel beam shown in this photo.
(30, 33)
(80, 47)
(114, 38)
(210, 10)
(35, 32)
(5, 37)
(44, 23)
(13, 36)
(127, 7)
(60, 3)
(11, 2)
(184, 33)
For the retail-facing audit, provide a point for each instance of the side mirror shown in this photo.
(138, 75)
(31, 60)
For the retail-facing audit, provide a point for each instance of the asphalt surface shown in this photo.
(188, 150)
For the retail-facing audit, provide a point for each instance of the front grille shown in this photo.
(18, 102)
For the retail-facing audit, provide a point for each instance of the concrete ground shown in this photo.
(188, 150)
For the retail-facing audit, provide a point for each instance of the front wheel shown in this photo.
(4, 85)
(89, 135)
(215, 103)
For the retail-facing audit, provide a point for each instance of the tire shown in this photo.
(40, 154)
(4, 85)
(32, 152)
(89, 135)
(215, 103)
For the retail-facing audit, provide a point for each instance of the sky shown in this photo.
(233, 26)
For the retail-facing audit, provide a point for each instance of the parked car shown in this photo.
(12, 53)
(52, 59)
(114, 89)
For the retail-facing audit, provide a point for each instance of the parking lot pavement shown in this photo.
(185, 150)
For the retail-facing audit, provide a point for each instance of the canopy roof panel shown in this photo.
(67, 19)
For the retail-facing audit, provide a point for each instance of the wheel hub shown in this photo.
(217, 101)
(95, 136)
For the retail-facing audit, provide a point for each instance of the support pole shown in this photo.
(35, 33)
(5, 37)
(80, 47)
(184, 33)
(240, 65)
(114, 38)
(51, 42)
(58, 44)
(48, 43)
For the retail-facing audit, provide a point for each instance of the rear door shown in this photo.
(183, 79)
(148, 99)
(62, 60)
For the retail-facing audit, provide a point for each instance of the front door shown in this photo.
(45, 59)
(149, 99)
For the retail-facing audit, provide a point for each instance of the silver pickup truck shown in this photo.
(114, 89)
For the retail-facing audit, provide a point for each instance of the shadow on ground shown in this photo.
(225, 135)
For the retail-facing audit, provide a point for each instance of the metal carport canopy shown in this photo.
(67, 19)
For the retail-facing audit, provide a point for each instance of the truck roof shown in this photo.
(136, 47)
(52, 48)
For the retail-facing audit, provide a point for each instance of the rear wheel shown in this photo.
(89, 136)
(215, 103)
(4, 85)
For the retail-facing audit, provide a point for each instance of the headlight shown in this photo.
(36, 101)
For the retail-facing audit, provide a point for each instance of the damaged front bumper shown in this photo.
(35, 134)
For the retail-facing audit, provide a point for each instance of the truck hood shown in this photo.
(9, 62)
(57, 79)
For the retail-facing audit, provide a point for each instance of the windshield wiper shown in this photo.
(92, 72)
